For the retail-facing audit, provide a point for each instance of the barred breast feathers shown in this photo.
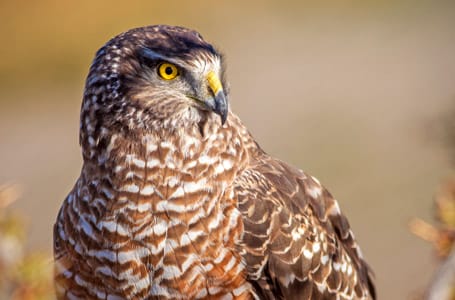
(148, 216)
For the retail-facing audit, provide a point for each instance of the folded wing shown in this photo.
(296, 243)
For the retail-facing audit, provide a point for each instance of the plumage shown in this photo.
(176, 200)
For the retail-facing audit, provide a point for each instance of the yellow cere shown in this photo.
(168, 71)
(214, 82)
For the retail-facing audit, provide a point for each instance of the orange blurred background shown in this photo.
(350, 92)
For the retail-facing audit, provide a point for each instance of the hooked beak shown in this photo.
(218, 103)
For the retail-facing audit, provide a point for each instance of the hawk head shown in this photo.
(153, 78)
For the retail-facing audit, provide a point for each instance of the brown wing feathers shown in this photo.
(297, 244)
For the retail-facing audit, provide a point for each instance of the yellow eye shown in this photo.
(168, 71)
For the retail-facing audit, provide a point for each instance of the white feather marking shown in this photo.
(99, 201)
(191, 164)
(78, 248)
(227, 297)
(108, 193)
(324, 259)
(113, 226)
(241, 289)
(111, 144)
(171, 272)
(316, 180)
(295, 234)
(219, 169)
(191, 187)
(151, 163)
(70, 198)
(142, 283)
(167, 144)
(160, 228)
(118, 168)
(335, 209)
(227, 164)
(314, 192)
(288, 279)
(359, 252)
(155, 250)
(179, 192)
(208, 267)
(344, 267)
(231, 151)
(151, 147)
(114, 297)
(143, 207)
(233, 218)
(67, 273)
(202, 294)
(105, 271)
(239, 269)
(190, 236)
(91, 141)
(200, 214)
(308, 254)
(80, 281)
(321, 287)
(165, 205)
(71, 296)
(131, 188)
(216, 222)
(109, 225)
(86, 226)
(230, 264)
(170, 164)
(214, 290)
(103, 254)
(173, 181)
(158, 290)
(171, 244)
(204, 159)
(132, 255)
(138, 163)
(189, 262)
(147, 190)
(221, 256)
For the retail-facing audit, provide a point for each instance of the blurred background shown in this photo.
(354, 92)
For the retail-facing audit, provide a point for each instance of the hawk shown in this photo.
(176, 200)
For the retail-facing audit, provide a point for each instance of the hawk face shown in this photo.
(153, 78)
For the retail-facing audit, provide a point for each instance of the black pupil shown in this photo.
(168, 71)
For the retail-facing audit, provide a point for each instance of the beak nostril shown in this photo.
(210, 91)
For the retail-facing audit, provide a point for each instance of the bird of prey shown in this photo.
(176, 200)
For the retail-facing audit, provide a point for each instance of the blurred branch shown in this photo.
(443, 285)
(442, 236)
